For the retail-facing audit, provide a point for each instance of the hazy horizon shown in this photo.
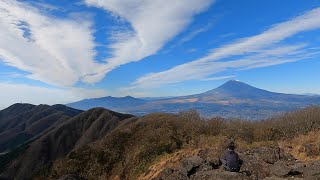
(142, 97)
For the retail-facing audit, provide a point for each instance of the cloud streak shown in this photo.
(153, 24)
(55, 51)
(61, 51)
(257, 51)
(217, 78)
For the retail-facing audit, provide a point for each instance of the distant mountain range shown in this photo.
(233, 99)
(111, 102)
(311, 94)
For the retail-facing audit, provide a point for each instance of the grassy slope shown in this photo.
(140, 148)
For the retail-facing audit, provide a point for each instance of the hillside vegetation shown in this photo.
(37, 155)
(22, 122)
(143, 148)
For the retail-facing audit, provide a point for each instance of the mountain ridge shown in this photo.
(75, 132)
(22, 122)
(226, 100)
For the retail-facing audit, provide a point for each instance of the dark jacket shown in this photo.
(232, 160)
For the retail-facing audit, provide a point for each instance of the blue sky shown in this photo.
(62, 51)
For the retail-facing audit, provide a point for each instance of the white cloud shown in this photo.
(189, 37)
(10, 74)
(60, 51)
(44, 6)
(55, 51)
(217, 78)
(194, 33)
(12, 93)
(153, 22)
(256, 51)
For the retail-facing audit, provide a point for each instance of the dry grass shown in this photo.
(167, 161)
(142, 148)
(296, 146)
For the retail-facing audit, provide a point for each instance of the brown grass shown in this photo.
(141, 149)
(296, 145)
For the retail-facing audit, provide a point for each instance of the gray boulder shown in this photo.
(271, 155)
(312, 171)
(205, 167)
(298, 168)
(254, 166)
(273, 178)
(192, 162)
(280, 169)
(212, 156)
(173, 174)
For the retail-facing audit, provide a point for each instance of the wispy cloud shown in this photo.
(45, 6)
(52, 50)
(11, 75)
(194, 33)
(153, 23)
(261, 50)
(217, 78)
(60, 51)
(191, 35)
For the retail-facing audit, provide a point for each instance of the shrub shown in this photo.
(130, 149)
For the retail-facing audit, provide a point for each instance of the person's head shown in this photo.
(231, 145)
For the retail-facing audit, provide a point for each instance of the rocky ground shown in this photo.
(260, 163)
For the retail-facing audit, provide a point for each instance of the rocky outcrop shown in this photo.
(312, 171)
(260, 163)
(190, 164)
(281, 169)
(173, 174)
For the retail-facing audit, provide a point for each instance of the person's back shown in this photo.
(231, 160)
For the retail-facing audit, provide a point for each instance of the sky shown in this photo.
(67, 50)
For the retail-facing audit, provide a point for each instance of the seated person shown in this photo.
(230, 160)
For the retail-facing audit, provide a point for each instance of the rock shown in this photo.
(212, 156)
(269, 155)
(285, 156)
(173, 174)
(297, 168)
(280, 169)
(312, 171)
(259, 163)
(192, 162)
(255, 166)
(71, 177)
(205, 167)
(311, 150)
(273, 178)
(272, 155)
(203, 153)
(278, 178)
(219, 175)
